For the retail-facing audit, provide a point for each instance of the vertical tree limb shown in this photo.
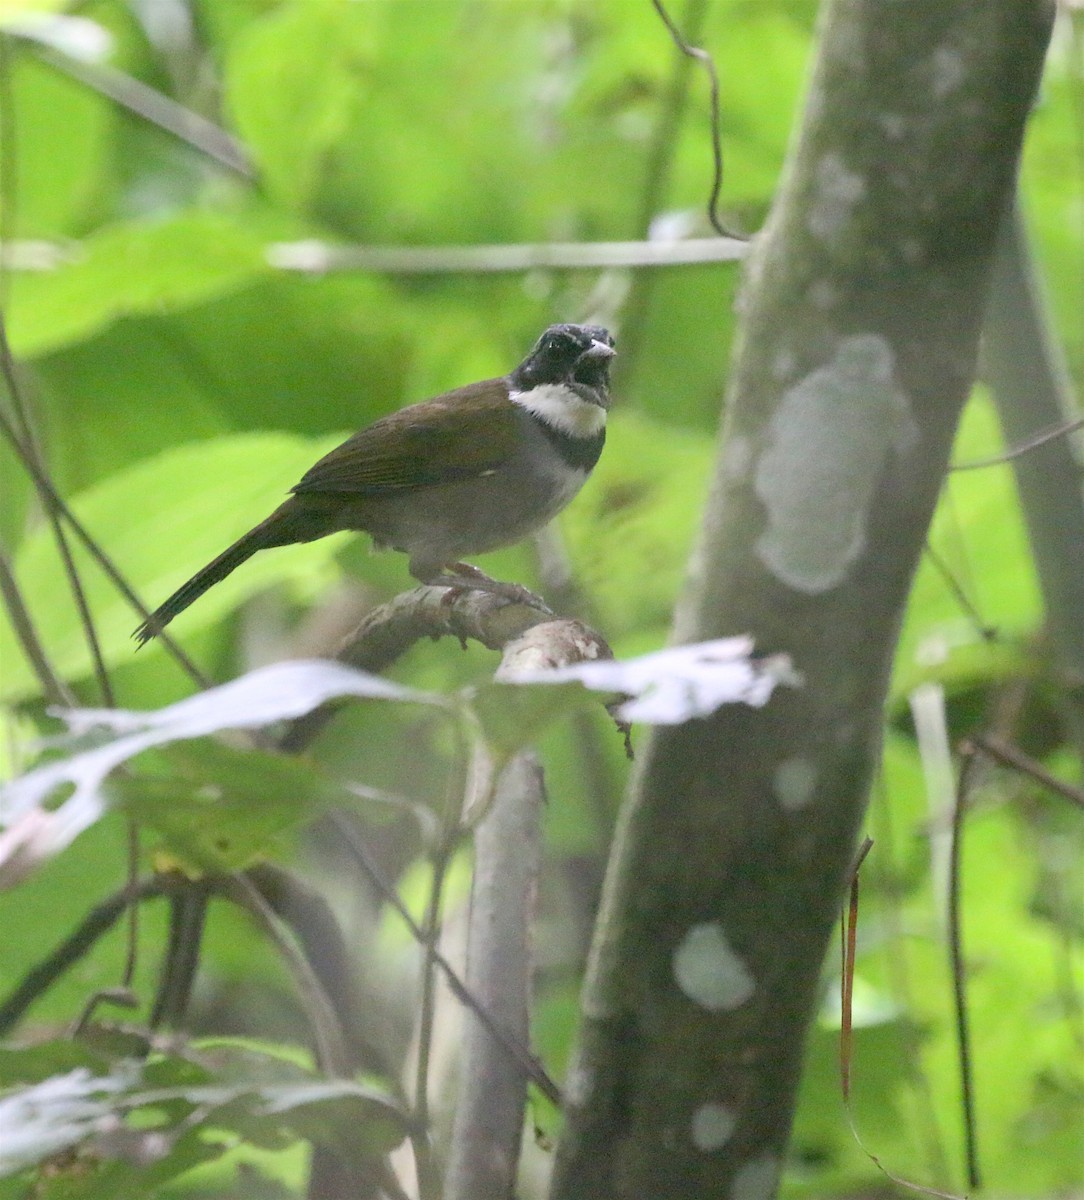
(1032, 390)
(861, 316)
(488, 1127)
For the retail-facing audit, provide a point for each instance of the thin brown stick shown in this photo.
(514, 1048)
(959, 969)
(153, 107)
(708, 63)
(55, 690)
(1009, 756)
(329, 1046)
(46, 488)
(1061, 429)
(987, 632)
(94, 926)
(849, 934)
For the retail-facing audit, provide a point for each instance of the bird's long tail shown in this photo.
(272, 532)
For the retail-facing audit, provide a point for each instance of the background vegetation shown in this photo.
(181, 374)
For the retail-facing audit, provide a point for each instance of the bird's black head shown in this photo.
(575, 355)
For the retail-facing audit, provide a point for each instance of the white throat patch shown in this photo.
(560, 407)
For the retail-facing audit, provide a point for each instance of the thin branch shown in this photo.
(708, 63)
(959, 971)
(46, 489)
(514, 1048)
(1009, 756)
(55, 690)
(29, 449)
(151, 106)
(317, 257)
(329, 1044)
(389, 631)
(987, 632)
(94, 926)
(1021, 448)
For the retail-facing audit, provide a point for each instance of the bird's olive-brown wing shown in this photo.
(459, 435)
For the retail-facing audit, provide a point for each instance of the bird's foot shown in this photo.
(461, 577)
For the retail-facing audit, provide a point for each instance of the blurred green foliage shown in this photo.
(179, 384)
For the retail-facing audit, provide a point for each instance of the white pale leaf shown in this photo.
(678, 683)
(30, 833)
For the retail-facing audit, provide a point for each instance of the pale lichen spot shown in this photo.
(823, 295)
(713, 1125)
(947, 71)
(893, 124)
(757, 1180)
(784, 364)
(828, 443)
(836, 192)
(709, 971)
(794, 782)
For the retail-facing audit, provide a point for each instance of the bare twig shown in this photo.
(316, 257)
(849, 934)
(97, 923)
(1021, 448)
(151, 106)
(708, 63)
(1009, 756)
(959, 969)
(516, 1050)
(329, 1045)
(987, 632)
(53, 687)
(46, 489)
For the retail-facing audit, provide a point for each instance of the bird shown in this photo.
(472, 470)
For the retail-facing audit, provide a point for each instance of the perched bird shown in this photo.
(471, 470)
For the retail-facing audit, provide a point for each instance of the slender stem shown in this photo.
(708, 63)
(94, 926)
(153, 107)
(512, 1046)
(328, 1042)
(46, 489)
(959, 970)
(428, 1177)
(1017, 760)
(55, 690)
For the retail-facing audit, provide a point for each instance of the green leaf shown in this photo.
(144, 1122)
(289, 113)
(631, 529)
(132, 268)
(39, 827)
(61, 141)
(160, 520)
(220, 808)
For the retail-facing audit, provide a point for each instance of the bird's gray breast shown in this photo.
(447, 521)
